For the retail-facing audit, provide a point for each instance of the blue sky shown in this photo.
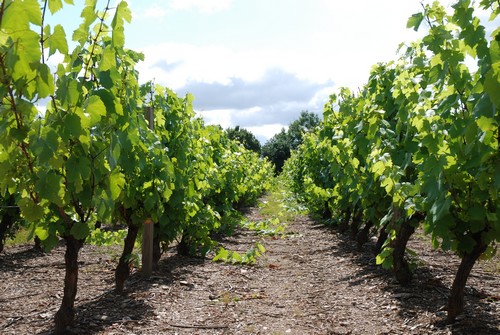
(259, 63)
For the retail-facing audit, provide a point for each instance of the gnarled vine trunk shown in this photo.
(456, 300)
(363, 234)
(401, 267)
(156, 249)
(344, 225)
(183, 248)
(66, 313)
(123, 268)
(9, 217)
(327, 213)
(356, 221)
(382, 237)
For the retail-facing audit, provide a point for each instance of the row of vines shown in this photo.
(417, 146)
(91, 157)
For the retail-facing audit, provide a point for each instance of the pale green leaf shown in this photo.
(57, 41)
(41, 233)
(486, 124)
(116, 183)
(95, 109)
(108, 60)
(55, 6)
(31, 211)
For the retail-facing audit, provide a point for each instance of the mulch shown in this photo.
(312, 280)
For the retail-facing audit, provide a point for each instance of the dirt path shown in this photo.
(312, 281)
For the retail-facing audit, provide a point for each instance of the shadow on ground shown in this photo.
(133, 308)
(425, 294)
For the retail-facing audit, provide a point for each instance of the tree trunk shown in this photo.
(363, 234)
(344, 225)
(456, 300)
(123, 268)
(66, 313)
(382, 237)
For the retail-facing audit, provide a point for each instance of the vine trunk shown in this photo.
(66, 313)
(456, 300)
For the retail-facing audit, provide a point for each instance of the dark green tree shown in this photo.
(305, 123)
(245, 137)
(277, 150)
(279, 147)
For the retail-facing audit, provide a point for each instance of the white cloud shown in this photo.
(225, 118)
(155, 11)
(177, 64)
(204, 6)
(159, 9)
(221, 117)
(230, 78)
(265, 132)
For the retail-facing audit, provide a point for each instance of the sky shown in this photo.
(259, 63)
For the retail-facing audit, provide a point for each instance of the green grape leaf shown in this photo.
(48, 146)
(80, 230)
(32, 10)
(378, 168)
(69, 91)
(89, 15)
(41, 232)
(222, 255)
(116, 183)
(57, 41)
(122, 13)
(486, 124)
(108, 60)
(466, 244)
(31, 211)
(50, 186)
(44, 81)
(55, 6)
(73, 125)
(50, 242)
(95, 109)
(414, 21)
(478, 218)
(492, 84)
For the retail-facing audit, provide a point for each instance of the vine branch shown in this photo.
(42, 40)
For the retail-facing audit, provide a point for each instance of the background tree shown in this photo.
(278, 148)
(245, 137)
(305, 123)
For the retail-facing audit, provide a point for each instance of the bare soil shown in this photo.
(311, 281)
